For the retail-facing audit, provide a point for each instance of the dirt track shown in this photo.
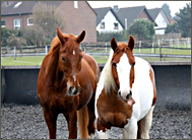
(27, 122)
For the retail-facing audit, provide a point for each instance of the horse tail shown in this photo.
(83, 120)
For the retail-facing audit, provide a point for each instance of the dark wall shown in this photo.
(20, 86)
(173, 85)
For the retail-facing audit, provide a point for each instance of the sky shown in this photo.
(174, 6)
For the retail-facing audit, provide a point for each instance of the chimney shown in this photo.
(125, 23)
(7, 3)
(116, 8)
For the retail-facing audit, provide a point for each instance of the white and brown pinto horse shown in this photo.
(125, 94)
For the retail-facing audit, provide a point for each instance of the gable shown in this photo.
(109, 20)
(101, 12)
(161, 20)
(159, 16)
(129, 13)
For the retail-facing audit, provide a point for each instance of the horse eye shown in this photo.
(114, 64)
(63, 59)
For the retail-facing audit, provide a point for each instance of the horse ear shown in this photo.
(61, 37)
(81, 37)
(131, 43)
(113, 44)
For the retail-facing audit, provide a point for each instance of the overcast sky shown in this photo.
(173, 5)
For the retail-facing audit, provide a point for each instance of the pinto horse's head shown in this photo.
(123, 63)
(70, 57)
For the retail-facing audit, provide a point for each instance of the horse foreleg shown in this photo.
(130, 130)
(51, 120)
(147, 120)
(91, 112)
(103, 130)
(72, 124)
(139, 132)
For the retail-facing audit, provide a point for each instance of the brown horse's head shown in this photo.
(70, 57)
(122, 64)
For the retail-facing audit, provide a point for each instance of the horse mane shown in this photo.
(54, 51)
(107, 76)
(55, 43)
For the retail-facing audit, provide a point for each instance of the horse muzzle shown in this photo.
(128, 98)
(74, 90)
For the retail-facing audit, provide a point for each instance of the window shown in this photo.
(102, 26)
(29, 21)
(2, 23)
(17, 4)
(75, 4)
(116, 26)
(16, 23)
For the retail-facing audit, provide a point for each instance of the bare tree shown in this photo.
(48, 19)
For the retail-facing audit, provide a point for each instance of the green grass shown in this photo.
(22, 61)
(37, 60)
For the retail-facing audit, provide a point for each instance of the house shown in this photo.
(160, 19)
(119, 19)
(77, 15)
(107, 20)
(127, 15)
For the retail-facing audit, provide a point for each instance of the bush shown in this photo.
(142, 29)
(17, 42)
(7, 35)
(34, 36)
(106, 37)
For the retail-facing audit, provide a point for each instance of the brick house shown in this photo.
(77, 15)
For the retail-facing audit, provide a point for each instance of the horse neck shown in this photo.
(55, 76)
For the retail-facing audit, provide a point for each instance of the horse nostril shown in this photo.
(63, 59)
(70, 89)
(130, 93)
(119, 92)
(127, 97)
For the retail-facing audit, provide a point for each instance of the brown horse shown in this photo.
(66, 84)
(126, 93)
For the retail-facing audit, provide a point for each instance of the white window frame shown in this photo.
(3, 26)
(29, 24)
(17, 26)
(75, 4)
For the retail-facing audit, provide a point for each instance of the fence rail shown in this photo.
(102, 49)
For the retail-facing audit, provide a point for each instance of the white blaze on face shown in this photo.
(73, 52)
(74, 77)
(123, 70)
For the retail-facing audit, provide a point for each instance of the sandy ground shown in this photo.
(27, 122)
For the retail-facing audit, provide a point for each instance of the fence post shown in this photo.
(139, 46)
(106, 49)
(152, 47)
(189, 44)
(160, 55)
(46, 49)
(178, 44)
(1, 57)
(14, 53)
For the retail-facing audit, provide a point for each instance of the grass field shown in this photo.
(37, 60)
